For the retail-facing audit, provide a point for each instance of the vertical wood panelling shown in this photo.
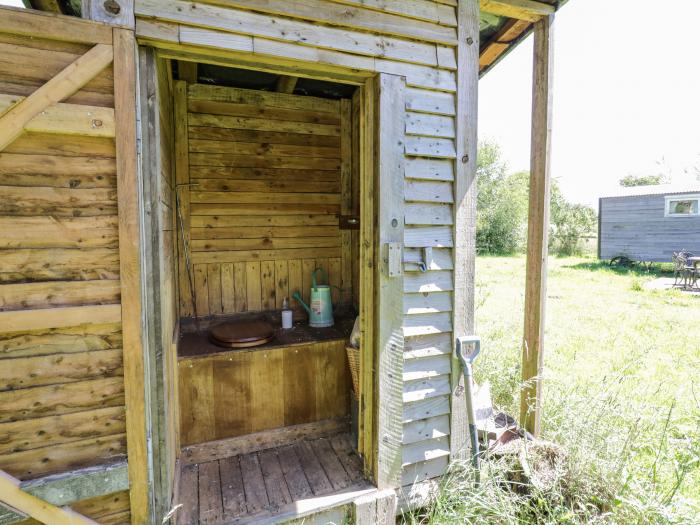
(236, 393)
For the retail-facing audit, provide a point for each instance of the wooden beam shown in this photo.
(519, 9)
(130, 273)
(68, 488)
(286, 84)
(13, 496)
(66, 119)
(52, 26)
(538, 227)
(501, 42)
(464, 252)
(187, 71)
(389, 298)
(64, 84)
(48, 318)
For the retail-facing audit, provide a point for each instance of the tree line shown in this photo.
(502, 205)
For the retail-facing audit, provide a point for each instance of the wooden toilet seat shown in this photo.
(242, 334)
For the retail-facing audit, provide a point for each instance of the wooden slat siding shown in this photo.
(285, 29)
(635, 226)
(270, 389)
(62, 399)
(339, 58)
(272, 203)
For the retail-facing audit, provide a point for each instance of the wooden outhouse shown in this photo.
(166, 166)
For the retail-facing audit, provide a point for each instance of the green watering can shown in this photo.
(321, 310)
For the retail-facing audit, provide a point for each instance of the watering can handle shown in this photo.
(313, 276)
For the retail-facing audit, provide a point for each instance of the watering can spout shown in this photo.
(297, 296)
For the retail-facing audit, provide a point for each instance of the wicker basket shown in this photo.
(354, 363)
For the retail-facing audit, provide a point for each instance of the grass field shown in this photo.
(622, 395)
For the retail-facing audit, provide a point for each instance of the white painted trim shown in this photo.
(691, 197)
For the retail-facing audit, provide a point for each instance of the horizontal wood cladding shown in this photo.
(237, 393)
(414, 39)
(61, 362)
(265, 195)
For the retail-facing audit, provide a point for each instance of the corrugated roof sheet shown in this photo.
(656, 189)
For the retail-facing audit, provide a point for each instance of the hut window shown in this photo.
(684, 206)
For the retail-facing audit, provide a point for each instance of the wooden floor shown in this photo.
(269, 482)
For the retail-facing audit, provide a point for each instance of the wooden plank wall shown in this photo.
(416, 39)
(264, 200)
(636, 227)
(61, 384)
(238, 393)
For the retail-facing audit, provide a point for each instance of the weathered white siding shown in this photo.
(637, 228)
(412, 38)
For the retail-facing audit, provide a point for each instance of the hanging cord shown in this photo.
(186, 250)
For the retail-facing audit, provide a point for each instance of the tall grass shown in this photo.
(620, 400)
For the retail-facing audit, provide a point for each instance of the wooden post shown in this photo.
(538, 227)
(465, 206)
(389, 290)
(130, 273)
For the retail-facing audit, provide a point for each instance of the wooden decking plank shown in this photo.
(348, 457)
(210, 506)
(331, 464)
(316, 476)
(255, 492)
(293, 473)
(188, 513)
(277, 490)
(232, 491)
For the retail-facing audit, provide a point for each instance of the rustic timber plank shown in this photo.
(255, 492)
(47, 25)
(131, 271)
(520, 9)
(331, 464)
(15, 497)
(68, 119)
(538, 226)
(232, 491)
(316, 476)
(188, 513)
(74, 487)
(277, 491)
(40, 319)
(67, 82)
(299, 487)
(210, 503)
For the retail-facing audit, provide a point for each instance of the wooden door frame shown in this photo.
(382, 456)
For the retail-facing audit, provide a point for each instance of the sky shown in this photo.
(626, 95)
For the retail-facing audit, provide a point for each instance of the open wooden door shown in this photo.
(72, 381)
(381, 276)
